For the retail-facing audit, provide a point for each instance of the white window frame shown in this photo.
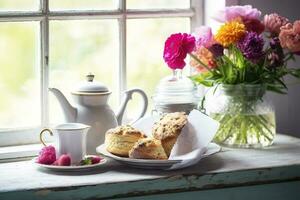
(43, 15)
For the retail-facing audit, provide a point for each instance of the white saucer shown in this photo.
(70, 168)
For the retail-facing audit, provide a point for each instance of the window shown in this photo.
(55, 43)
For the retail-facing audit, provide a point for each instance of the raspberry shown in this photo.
(95, 159)
(63, 160)
(90, 160)
(47, 155)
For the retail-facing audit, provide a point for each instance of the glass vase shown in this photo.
(247, 119)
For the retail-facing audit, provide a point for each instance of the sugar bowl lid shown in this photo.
(90, 86)
(175, 90)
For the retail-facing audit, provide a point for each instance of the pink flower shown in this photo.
(233, 12)
(47, 155)
(177, 46)
(290, 36)
(206, 57)
(204, 37)
(296, 26)
(273, 22)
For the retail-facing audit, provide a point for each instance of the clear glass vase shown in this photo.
(247, 119)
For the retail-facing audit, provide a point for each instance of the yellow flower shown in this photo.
(230, 32)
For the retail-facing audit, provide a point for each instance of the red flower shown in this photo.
(254, 25)
(177, 46)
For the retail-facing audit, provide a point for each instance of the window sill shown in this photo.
(18, 153)
(232, 168)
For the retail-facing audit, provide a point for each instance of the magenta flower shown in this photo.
(204, 37)
(177, 46)
(233, 12)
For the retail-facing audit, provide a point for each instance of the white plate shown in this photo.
(70, 168)
(151, 164)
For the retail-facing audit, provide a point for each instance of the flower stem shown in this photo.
(199, 61)
(241, 126)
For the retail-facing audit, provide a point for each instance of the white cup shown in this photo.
(71, 139)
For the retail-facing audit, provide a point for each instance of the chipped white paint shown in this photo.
(232, 166)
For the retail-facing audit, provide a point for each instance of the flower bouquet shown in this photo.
(245, 58)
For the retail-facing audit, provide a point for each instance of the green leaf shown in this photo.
(227, 70)
(239, 58)
(86, 161)
(280, 82)
(203, 78)
(276, 88)
(294, 72)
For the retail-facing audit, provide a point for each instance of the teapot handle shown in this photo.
(127, 97)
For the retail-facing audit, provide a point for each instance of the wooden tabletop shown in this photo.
(229, 168)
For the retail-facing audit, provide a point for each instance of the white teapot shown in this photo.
(92, 109)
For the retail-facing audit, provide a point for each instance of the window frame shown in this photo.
(44, 15)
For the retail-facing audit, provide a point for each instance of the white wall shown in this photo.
(211, 7)
(287, 106)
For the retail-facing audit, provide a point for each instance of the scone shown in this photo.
(121, 139)
(148, 148)
(168, 128)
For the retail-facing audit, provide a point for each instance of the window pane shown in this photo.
(83, 4)
(9, 5)
(145, 43)
(153, 4)
(80, 47)
(19, 75)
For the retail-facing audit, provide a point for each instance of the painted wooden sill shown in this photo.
(17, 153)
(228, 169)
(20, 152)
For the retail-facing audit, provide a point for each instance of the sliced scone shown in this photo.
(121, 139)
(168, 128)
(148, 148)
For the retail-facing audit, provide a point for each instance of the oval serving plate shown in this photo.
(152, 164)
(70, 168)
(140, 163)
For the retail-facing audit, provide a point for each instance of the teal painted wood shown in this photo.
(277, 191)
(179, 183)
(232, 168)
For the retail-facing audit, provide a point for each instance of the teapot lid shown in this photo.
(91, 86)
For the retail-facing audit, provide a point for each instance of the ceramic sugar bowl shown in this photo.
(175, 93)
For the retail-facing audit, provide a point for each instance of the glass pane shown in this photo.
(80, 47)
(9, 5)
(145, 43)
(153, 4)
(80, 4)
(19, 75)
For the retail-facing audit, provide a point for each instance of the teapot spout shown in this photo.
(69, 111)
